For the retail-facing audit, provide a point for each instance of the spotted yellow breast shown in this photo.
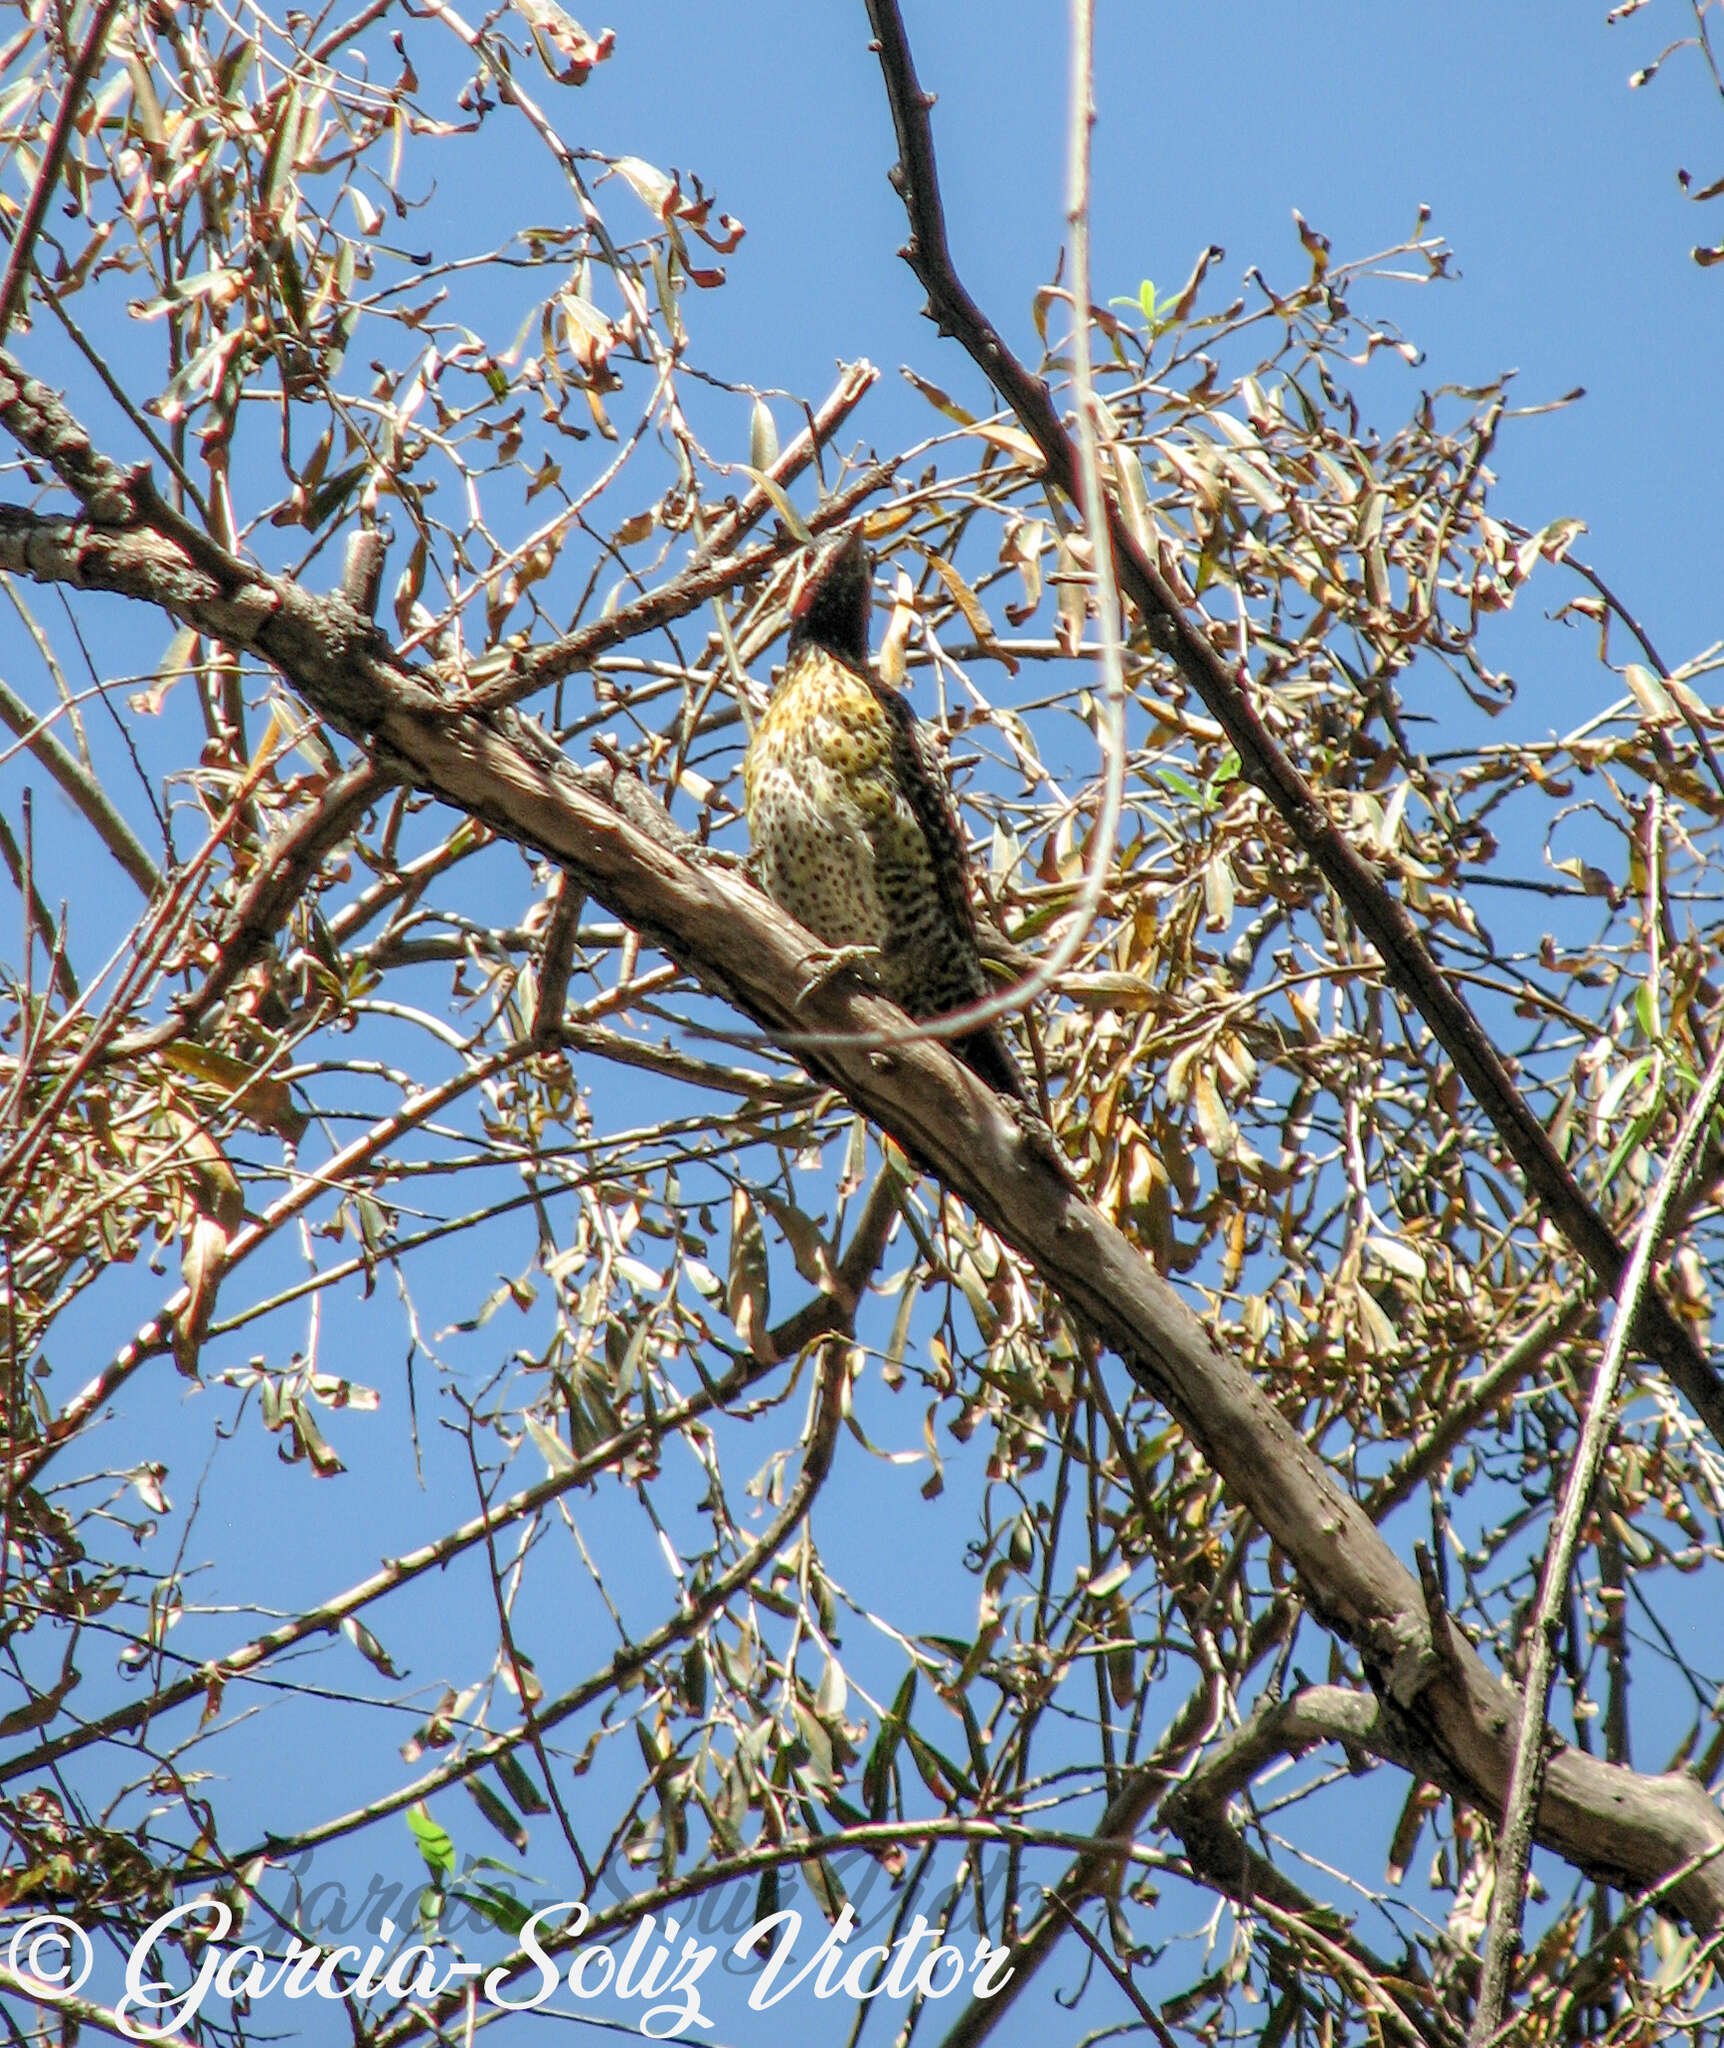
(855, 834)
(829, 826)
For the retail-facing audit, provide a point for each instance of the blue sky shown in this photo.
(1555, 184)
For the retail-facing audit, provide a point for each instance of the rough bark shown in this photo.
(1629, 1828)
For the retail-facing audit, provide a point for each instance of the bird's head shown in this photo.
(832, 607)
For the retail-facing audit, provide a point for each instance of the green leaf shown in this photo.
(694, 1678)
(937, 1770)
(291, 286)
(1646, 1010)
(283, 152)
(979, 1759)
(762, 436)
(519, 1785)
(823, 1882)
(877, 1772)
(1179, 785)
(747, 1297)
(502, 1909)
(556, 1454)
(497, 1814)
(333, 494)
(781, 504)
(434, 1843)
(1637, 1134)
(368, 1646)
(766, 1897)
(946, 406)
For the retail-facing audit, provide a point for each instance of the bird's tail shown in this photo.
(984, 1053)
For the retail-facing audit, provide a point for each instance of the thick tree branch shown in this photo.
(1407, 960)
(1627, 1827)
(736, 943)
(1197, 1811)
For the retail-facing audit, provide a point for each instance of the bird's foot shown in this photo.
(725, 857)
(835, 960)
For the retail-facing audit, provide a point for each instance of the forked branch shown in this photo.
(1407, 960)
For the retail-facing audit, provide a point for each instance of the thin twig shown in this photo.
(82, 788)
(692, 1615)
(48, 173)
(1408, 964)
(80, 2012)
(1514, 1846)
(827, 1314)
(1041, 974)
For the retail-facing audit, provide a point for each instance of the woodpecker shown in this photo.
(854, 829)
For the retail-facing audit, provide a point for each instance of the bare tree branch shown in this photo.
(1406, 958)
